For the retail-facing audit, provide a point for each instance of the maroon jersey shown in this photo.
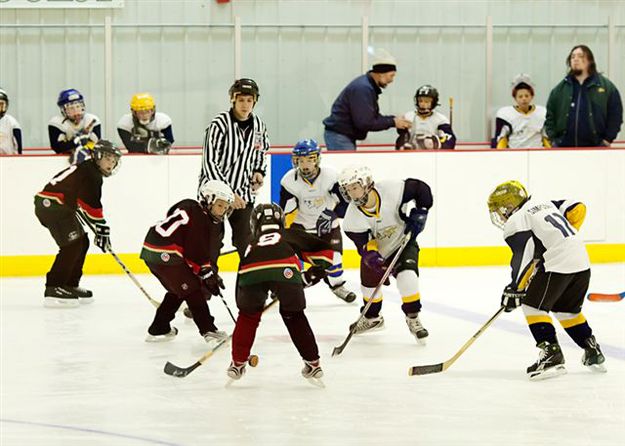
(78, 186)
(188, 235)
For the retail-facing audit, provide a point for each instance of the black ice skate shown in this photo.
(593, 358)
(343, 293)
(313, 373)
(365, 325)
(164, 337)
(85, 296)
(416, 328)
(59, 297)
(550, 362)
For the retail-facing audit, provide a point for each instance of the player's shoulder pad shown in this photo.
(125, 122)
(162, 120)
(507, 113)
(89, 118)
(518, 222)
(57, 121)
(410, 115)
(440, 118)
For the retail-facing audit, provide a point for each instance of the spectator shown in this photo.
(75, 132)
(585, 108)
(520, 126)
(356, 112)
(10, 131)
(430, 129)
(235, 147)
(144, 130)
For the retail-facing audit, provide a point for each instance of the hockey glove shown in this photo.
(415, 222)
(374, 261)
(211, 280)
(158, 146)
(326, 222)
(312, 276)
(511, 298)
(102, 237)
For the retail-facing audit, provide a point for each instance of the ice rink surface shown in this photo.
(85, 376)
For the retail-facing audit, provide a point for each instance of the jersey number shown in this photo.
(563, 227)
(60, 177)
(167, 227)
(269, 239)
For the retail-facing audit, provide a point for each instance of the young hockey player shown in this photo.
(271, 264)
(10, 130)
(144, 130)
(543, 235)
(376, 220)
(521, 126)
(75, 131)
(182, 252)
(312, 202)
(430, 129)
(76, 188)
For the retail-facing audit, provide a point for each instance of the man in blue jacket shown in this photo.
(585, 108)
(356, 112)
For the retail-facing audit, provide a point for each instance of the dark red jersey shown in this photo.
(188, 235)
(76, 187)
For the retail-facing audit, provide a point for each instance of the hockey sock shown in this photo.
(199, 309)
(408, 286)
(576, 327)
(301, 334)
(243, 336)
(65, 263)
(540, 324)
(165, 313)
(76, 274)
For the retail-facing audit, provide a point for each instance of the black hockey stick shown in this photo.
(441, 367)
(181, 372)
(338, 350)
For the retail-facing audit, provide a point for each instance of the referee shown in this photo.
(235, 148)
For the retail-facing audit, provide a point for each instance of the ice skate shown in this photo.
(59, 297)
(169, 336)
(550, 362)
(215, 337)
(593, 357)
(313, 373)
(366, 325)
(343, 293)
(235, 372)
(416, 328)
(85, 296)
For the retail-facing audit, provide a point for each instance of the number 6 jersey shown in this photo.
(539, 230)
(188, 235)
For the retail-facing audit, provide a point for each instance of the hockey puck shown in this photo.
(253, 360)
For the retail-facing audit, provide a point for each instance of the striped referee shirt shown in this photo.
(232, 153)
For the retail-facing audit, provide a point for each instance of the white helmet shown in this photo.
(351, 175)
(215, 190)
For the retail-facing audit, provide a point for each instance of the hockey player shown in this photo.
(10, 130)
(520, 126)
(76, 188)
(182, 252)
(235, 148)
(271, 264)
(376, 220)
(144, 130)
(430, 129)
(75, 131)
(311, 199)
(544, 234)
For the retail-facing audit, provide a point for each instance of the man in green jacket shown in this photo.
(585, 108)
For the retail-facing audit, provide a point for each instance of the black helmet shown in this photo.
(266, 217)
(429, 92)
(102, 148)
(244, 86)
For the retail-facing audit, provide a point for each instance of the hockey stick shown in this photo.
(441, 367)
(338, 350)
(227, 307)
(181, 372)
(598, 297)
(154, 302)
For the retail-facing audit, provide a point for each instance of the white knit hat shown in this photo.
(383, 62)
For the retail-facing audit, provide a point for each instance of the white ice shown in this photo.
(85, 376)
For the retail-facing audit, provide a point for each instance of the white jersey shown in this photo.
(385, 225)
(8, 144)
(311, 199)
(69, 130)
(160, 122)
(427, 126)
(539, 230)
(526, 128)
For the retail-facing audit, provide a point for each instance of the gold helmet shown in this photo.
(142, 101)
(505, 200)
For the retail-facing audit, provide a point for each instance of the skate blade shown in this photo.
(552, 372)
(230, 382)
(86, 300)
(52, 302)
(161, 338)
(371, 330)
(317, 382)
(422, 341)
(597, 368)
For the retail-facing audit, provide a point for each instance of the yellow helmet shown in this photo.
(505, 200)
(142, 101)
